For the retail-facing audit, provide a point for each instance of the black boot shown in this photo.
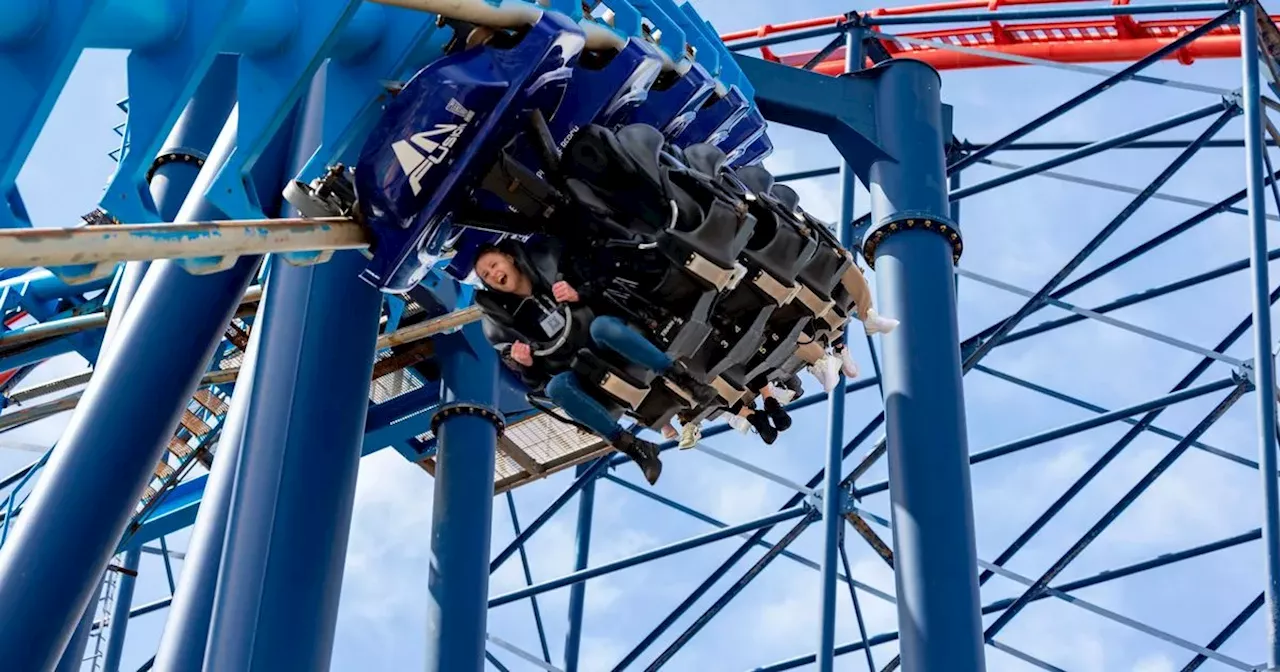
(702, 393)
(761, 423)
(643, 453)
(777, 414)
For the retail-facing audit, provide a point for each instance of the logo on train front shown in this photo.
(421, 151)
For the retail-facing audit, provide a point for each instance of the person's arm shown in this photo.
(502, 340)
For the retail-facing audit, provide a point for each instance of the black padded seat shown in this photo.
(780, 344)
(823, 271)
(630, 171)
(786, 196)
(706, 159)
(778, 248)
(730, 346)
(755, 178)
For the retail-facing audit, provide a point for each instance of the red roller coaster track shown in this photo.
(1121, 38)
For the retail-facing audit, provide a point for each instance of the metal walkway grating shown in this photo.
(534, 448)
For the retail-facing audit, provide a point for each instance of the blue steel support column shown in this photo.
(277, 601)
(72, 656)
(197, 129)
(934, 550)
(86, 495)
(462, 514)
(277, 598)
(578, 593)
(119, 623)
(1264, 364)
(832, 495)
(186, 630)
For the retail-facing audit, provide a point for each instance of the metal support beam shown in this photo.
(1063, 588)
(1083, 97)
(578, 593)
(186, 631)
(119, 623)
(277, 596)
(1264, 363)
(296, 608)
(934, 548)
(72, 656)
(755, 539)
(584, 478)
(171, 180)
(654, 554)
(462, 514)
(528, 580)
(833, 496)
(87, 493)
(1114, 512)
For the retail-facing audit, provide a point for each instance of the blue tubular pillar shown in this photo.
(186, 630)
(176, 169)
(578, 593)
(1264, 364)
(277, 598)
(276, 605)
(73, 655)
(119, 623)
(912, 244)
(86, 495)
(462, 514)
(832, 497)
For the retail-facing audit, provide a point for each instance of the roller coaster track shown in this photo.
(1112, 39)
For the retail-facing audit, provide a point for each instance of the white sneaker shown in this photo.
(739, 423)
(827, 371)
(847, 365)
(877, 324)
(690, 435)
(783, 395)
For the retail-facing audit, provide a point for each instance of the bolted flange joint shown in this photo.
(175, 156)
(911, 222)
(460, 408)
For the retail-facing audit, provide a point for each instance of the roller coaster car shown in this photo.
(716, 118)
(675, 99)
(742, 136)
(443, 131)
(754, 153)
(605, 88)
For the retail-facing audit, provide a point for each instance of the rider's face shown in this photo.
(498, 272)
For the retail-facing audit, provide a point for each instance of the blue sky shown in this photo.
(1019, 234)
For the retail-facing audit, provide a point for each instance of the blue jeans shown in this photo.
(612, 334)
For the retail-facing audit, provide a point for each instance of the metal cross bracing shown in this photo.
(1069, 465)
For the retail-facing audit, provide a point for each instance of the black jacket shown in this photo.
(509, 318)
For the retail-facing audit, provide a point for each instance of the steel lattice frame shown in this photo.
(996, 315)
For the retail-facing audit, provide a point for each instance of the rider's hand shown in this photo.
(522, 354)
(564, 292)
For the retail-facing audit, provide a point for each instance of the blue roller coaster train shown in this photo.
(276, 284)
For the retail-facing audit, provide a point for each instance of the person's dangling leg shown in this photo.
(567, 393)
(744, 417)
(774, 410)
(856, 284)
(822, 366)
(840, 350)
(613, 334)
